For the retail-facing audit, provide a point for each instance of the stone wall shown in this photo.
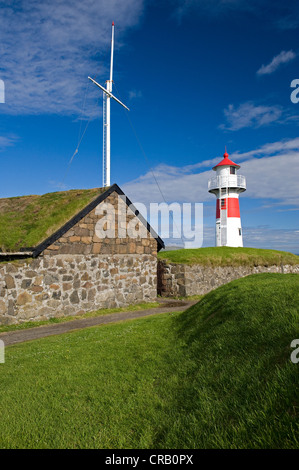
(61, 285)
(176, 280)
(83, 237)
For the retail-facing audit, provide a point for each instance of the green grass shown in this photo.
(227, 256)
(216, 376)
(27, 220)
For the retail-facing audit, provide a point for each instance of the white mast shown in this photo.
(107, 94)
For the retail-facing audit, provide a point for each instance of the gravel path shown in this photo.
(20, 336)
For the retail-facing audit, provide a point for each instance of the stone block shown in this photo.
(3, 307)
(11, 268)
(86, 240)
(11, 307)
(80, 232)
(85, 277)
(9, 281)
(83, 294)
(50, 279)
(140, 249)
(106, 249)
(24, 298)
(74, 238)
(53, 286)
(38, 280)
(53, 247)
(56, 295)
(87, 285)
(41, 297)
(96, 248)
(123, 249)
(91, 295)
(69, 233)
(67, 286)
(74, 298)
(36, 289)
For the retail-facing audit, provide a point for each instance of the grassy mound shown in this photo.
(216, 376)
(227, 256)
(241, 387)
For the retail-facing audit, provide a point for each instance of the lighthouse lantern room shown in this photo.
(227, 185)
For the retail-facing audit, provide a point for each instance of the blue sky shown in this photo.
(196, 75)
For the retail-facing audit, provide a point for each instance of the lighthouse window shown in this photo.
(232, 170)
(222, 203)
(240, 231)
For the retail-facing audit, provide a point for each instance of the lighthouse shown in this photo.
(227, 185)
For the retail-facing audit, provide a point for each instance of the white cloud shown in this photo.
(290, 21)
(271, 171)
(250, 115)
(275, 239)
(273, 177)
(174, 185)
(261, 237)
(282, 58)
(271, 148)
(7, 141)
(48, 49)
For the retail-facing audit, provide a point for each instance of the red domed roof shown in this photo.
(226, 161)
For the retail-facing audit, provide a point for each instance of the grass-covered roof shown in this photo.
(26, 221)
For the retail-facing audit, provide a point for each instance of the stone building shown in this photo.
(104, 255)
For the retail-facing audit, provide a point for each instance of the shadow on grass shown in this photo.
(235, 382)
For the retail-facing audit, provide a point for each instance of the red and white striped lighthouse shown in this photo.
(227, 186)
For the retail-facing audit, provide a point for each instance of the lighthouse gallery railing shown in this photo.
(231, 181)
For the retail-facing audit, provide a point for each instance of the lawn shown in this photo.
(216, 376)
(228, 256)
